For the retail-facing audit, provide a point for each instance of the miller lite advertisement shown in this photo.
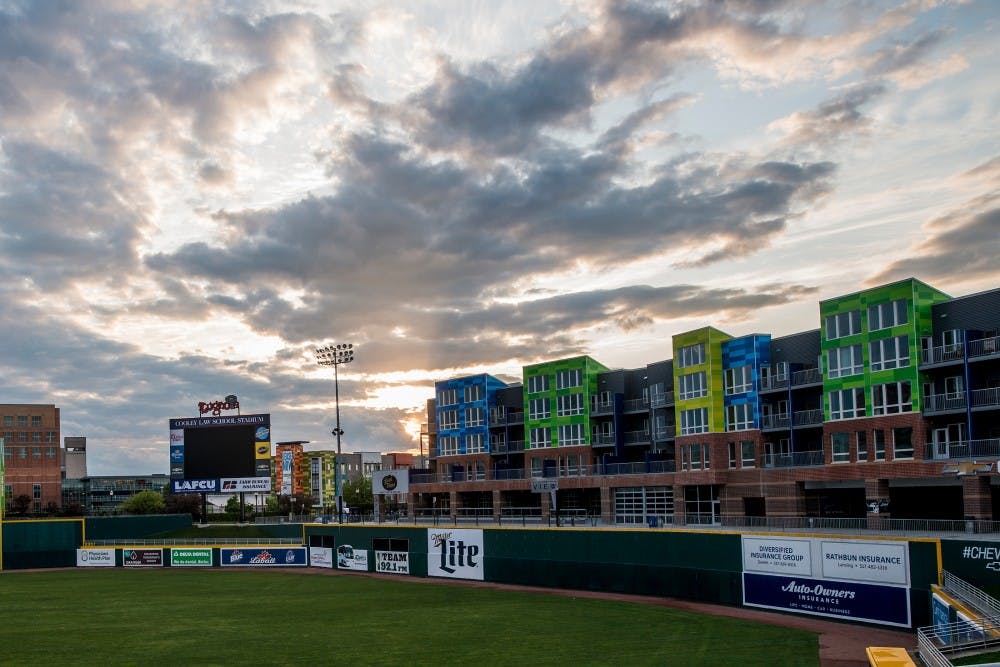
(455, 553)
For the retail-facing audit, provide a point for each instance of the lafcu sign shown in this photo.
(454, 553)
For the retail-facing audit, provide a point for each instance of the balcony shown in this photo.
(637, 405)
(661, 400)
(508, 447)
(966, 449)
(945, 354)
(807, 418)
(776, 422)
(807, 377)
(603, 440)
(941, 403)
(665, 433)
(515, 473)
(985, 398)
(636, 437)
(602, 408)
(984, 347)
(793, 459)
(774, 383)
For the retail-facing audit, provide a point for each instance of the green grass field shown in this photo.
(213, 617)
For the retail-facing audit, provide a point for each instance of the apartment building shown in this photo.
(891, 408)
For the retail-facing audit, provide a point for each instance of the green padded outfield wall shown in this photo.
(133, 527)
(41, 544)
(974, 561)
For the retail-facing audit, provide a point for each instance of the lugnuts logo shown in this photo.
(389, 482)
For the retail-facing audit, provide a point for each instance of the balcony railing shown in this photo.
(665, 433)
(600, 408)
(507, 447)
(985, 398)
(808, 418)
(966, 449)
(793, 459)
(636, 405)
(510, 473)
(776, 421)
(636, 437)
(774, 382)
(603, 440)
(944, 354)
(943, 403)
(807, 376)
(661, 400)
(984, 347)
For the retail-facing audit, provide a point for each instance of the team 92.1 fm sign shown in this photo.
(392, 555)
(850, 579)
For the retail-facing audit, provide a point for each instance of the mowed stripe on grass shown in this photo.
(288, 617)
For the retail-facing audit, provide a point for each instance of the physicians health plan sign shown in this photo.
(849, 579)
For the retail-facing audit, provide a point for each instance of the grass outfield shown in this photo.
(268, 617)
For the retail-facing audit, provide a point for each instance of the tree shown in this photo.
(358, 493)
(20, 504)
(183, 503)
(233, 506)
(145, 502)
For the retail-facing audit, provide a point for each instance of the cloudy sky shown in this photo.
(193, 198)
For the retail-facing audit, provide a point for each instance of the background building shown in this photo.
(31, 456)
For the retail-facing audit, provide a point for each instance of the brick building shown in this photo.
(31, 455)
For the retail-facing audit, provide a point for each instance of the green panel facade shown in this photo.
(540, 382)
(710, 339)
(855, 311)
(41, 544)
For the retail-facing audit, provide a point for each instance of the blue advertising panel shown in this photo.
(885, 605)
(194, 486)
(941, 613)
(277, 556)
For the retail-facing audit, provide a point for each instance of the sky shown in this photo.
(194, 196)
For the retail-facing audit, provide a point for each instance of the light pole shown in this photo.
(335, 355)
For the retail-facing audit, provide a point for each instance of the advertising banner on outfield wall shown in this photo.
(352, 558)
(455, 553)
(864, 580)
(191, 557)
(392, 562)
(975, 561)
(95, 557)
(264, 557)
(321, 557)
(142, 557)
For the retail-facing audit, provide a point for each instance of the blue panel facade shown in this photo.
(473, 394)
(753, 351)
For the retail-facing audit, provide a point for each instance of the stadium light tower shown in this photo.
(335, 355)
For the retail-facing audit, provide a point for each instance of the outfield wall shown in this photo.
(879, 580)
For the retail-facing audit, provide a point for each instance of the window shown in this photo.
(449, 419)
(692, 355)
(23, 436)
(844, 361)
(22, 420)
(568, 379)
(739, 417)
(36, 491)
(36, 436)
(692, 385)
(571, 434)
(843, 324)
(538, 408)
(51, 436)
(474, 416)
(732, 455)
(879, 439)
(540, 437)
(902, 443)
(36, 452)
(571, 404)
(889, 353)
(22, 452)
(475, 443)
(847, 403)
(891, 398)
(8, 420)
(748, 453)
(889, 314)
(739, 380)
(862, 439)
(448, 397)
(448, 445)
(695, 457)
(694, 421)
(36, 421)
(473, 393)
(538, 383)
(840, 444)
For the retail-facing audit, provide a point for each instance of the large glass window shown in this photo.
(843, 324)
(473, 393)
(540, 437)
(571, 434)
(902, 443)
(448, 397)
(847, 403)
(474, 417)
(538, 408)
(739, 417)
(449, 419)
(739, 380)
(448, 445)
(889, 353)
(888, 314)
(841, 446)
(748, 450)
(538, 383)
(633, 506)
(862, 438)
(694, 421)
(475, 443)
(570, 404)
(691, 355)
(844, 361)
(878, 437)
(569, 379)
(692, 385)
(891, 398)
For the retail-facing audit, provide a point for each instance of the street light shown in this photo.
(335, 355)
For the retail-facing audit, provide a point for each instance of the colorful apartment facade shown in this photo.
(890, 408)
